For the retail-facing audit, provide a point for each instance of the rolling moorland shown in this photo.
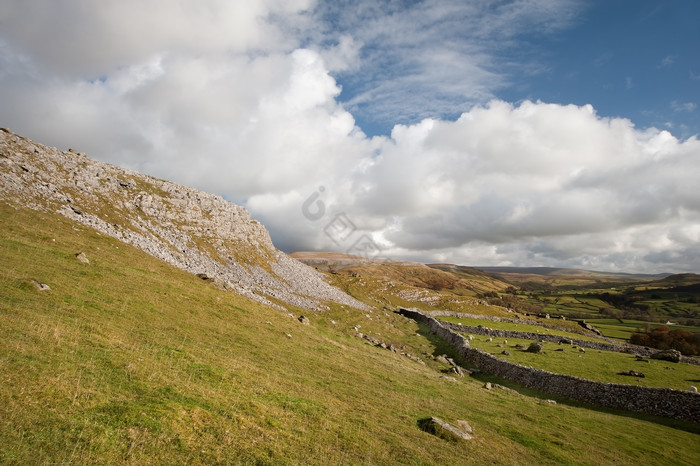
(114, 350)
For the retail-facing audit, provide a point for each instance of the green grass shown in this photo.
(127, 360)
(624, 328)
(517, 327)
(602, 366)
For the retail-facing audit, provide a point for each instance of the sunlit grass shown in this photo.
(602, 366)
(129, 360)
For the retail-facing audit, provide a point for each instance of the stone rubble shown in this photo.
(193, 230)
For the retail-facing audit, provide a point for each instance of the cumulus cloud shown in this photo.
(534, 183)
(243, 99)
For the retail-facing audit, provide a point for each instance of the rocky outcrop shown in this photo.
(196, 231)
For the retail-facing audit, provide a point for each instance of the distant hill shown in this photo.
(556, 271)
(556, 277)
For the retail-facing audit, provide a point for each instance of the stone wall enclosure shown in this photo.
(664, 402)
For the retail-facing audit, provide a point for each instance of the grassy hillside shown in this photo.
(127, 360)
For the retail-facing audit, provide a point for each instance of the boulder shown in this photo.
(589, 327)
(448, 378)
(442, 429)
(443, 359)
(216, 281)
(304, 320)
(534, 347)
(41, 286)
(670, 355)
(82, 258)
(633, 373)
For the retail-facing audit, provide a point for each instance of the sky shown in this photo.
(559, 133)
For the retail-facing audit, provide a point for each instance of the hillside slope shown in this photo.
(128, 360)
(190, 229)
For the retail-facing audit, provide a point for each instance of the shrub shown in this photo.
(688, 343)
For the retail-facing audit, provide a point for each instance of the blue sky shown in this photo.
(635, 59)
(556, 133)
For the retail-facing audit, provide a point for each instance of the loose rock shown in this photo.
(442, 429)
(633, 373)
(41, 286)
(304, 320)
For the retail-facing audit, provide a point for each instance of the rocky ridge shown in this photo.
(193, 230)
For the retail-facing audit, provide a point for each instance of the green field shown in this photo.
(601, 366)
(612, 322)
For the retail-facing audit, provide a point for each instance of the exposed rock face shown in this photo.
(196, 231)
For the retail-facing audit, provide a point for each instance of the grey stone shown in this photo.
(82, 258)
(41, 286)
(442, 429)
(187, 228)
(304, 320)
(670, 355)
(443, 359)
(534, 347)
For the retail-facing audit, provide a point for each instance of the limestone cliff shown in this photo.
(190, 229)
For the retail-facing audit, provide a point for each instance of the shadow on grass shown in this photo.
(442, 347)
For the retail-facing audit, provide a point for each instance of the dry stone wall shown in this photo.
(592, 344)
(514, 320)
(664, 402)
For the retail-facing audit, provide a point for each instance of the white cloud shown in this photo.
(241, 99)
(80, 38)
(535, 183)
